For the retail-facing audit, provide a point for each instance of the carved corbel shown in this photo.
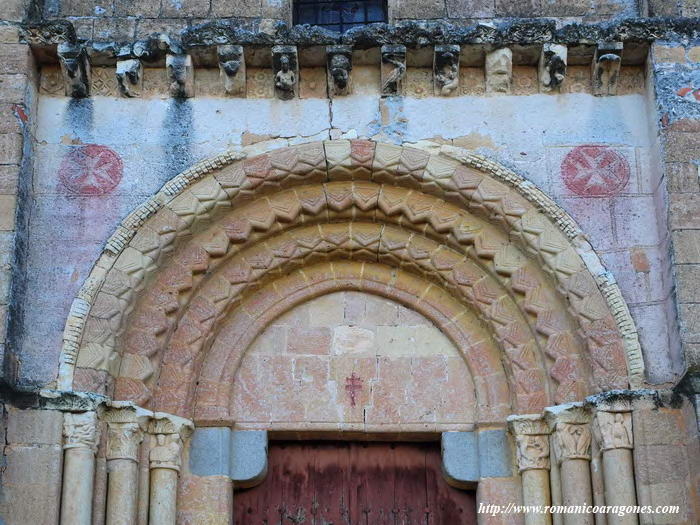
(339, 66)
(606, 68)
(130, 77)
(393, 69)
(75, 66)
(180, 73)
(285, 65)
(446, 70)
(232, 69)
(552, 67)
(499, 71)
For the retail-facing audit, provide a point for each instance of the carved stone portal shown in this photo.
(393, 70)
(285, 65)
(232, 69)
(339, 60)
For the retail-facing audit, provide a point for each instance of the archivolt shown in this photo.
(184, 233)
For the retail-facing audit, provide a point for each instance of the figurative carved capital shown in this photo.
(532, 452)
(166, 452)
(80, 430)
(614, 430)
(573, 441)
(123, 441)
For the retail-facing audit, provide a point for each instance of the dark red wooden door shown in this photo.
(340, 483)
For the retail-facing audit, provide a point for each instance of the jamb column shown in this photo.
(570, 425)
(532, 445)
(613, 431)
(80, 446)
(125, 425)
(165, 460)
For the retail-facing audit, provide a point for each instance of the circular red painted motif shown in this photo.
(91, 170)
(595, 171)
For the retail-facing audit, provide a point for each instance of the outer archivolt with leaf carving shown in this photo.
(223, 237)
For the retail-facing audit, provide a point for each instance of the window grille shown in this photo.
(339, 15)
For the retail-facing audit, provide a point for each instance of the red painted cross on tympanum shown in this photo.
(353, 385)
(91, 170)
(595, 171)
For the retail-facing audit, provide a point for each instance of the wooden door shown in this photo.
(341, 483)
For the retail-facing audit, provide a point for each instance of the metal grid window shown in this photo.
(339, 15)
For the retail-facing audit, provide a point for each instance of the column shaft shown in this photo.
(536, 492)
(122, 492)
(163, 507)
(619, 484)
(78, 479)
(576, 490)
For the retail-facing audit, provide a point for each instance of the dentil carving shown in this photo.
(614, 429)
(573, 441)
(80, 430)
(123, 441)
(533, 452)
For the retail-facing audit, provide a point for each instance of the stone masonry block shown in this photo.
(418, 9)
(686, 246)
(470, 8)
(684, 211)
(682, 146)
(495, 459)
(138, 8)
(9, 34)
(15, 59)
(682, 177)
(210, 451)
(13, 88)
(7, 212)
(460, 458)
(10, 148)
(688, 282)
(248, 457)
(237, 8)
(185, 8)
(669, 54)
(689, 315)
(43, 427)
(661, 463)
(518, 8)
(32, 485)
(13, 10)
(660, 426)
(9, 178)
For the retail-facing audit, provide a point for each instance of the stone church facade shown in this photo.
(475, 223)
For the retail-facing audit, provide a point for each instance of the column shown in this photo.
(532, 446)
(125, 425)
(80, 445)
(570, 425)
(613, 431)
(165, 460)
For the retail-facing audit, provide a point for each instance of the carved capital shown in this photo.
(123, 441)
(166, 453)
(80, 430)
(614, 430)
(532, 441)
(572, 441)
(162, 423)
